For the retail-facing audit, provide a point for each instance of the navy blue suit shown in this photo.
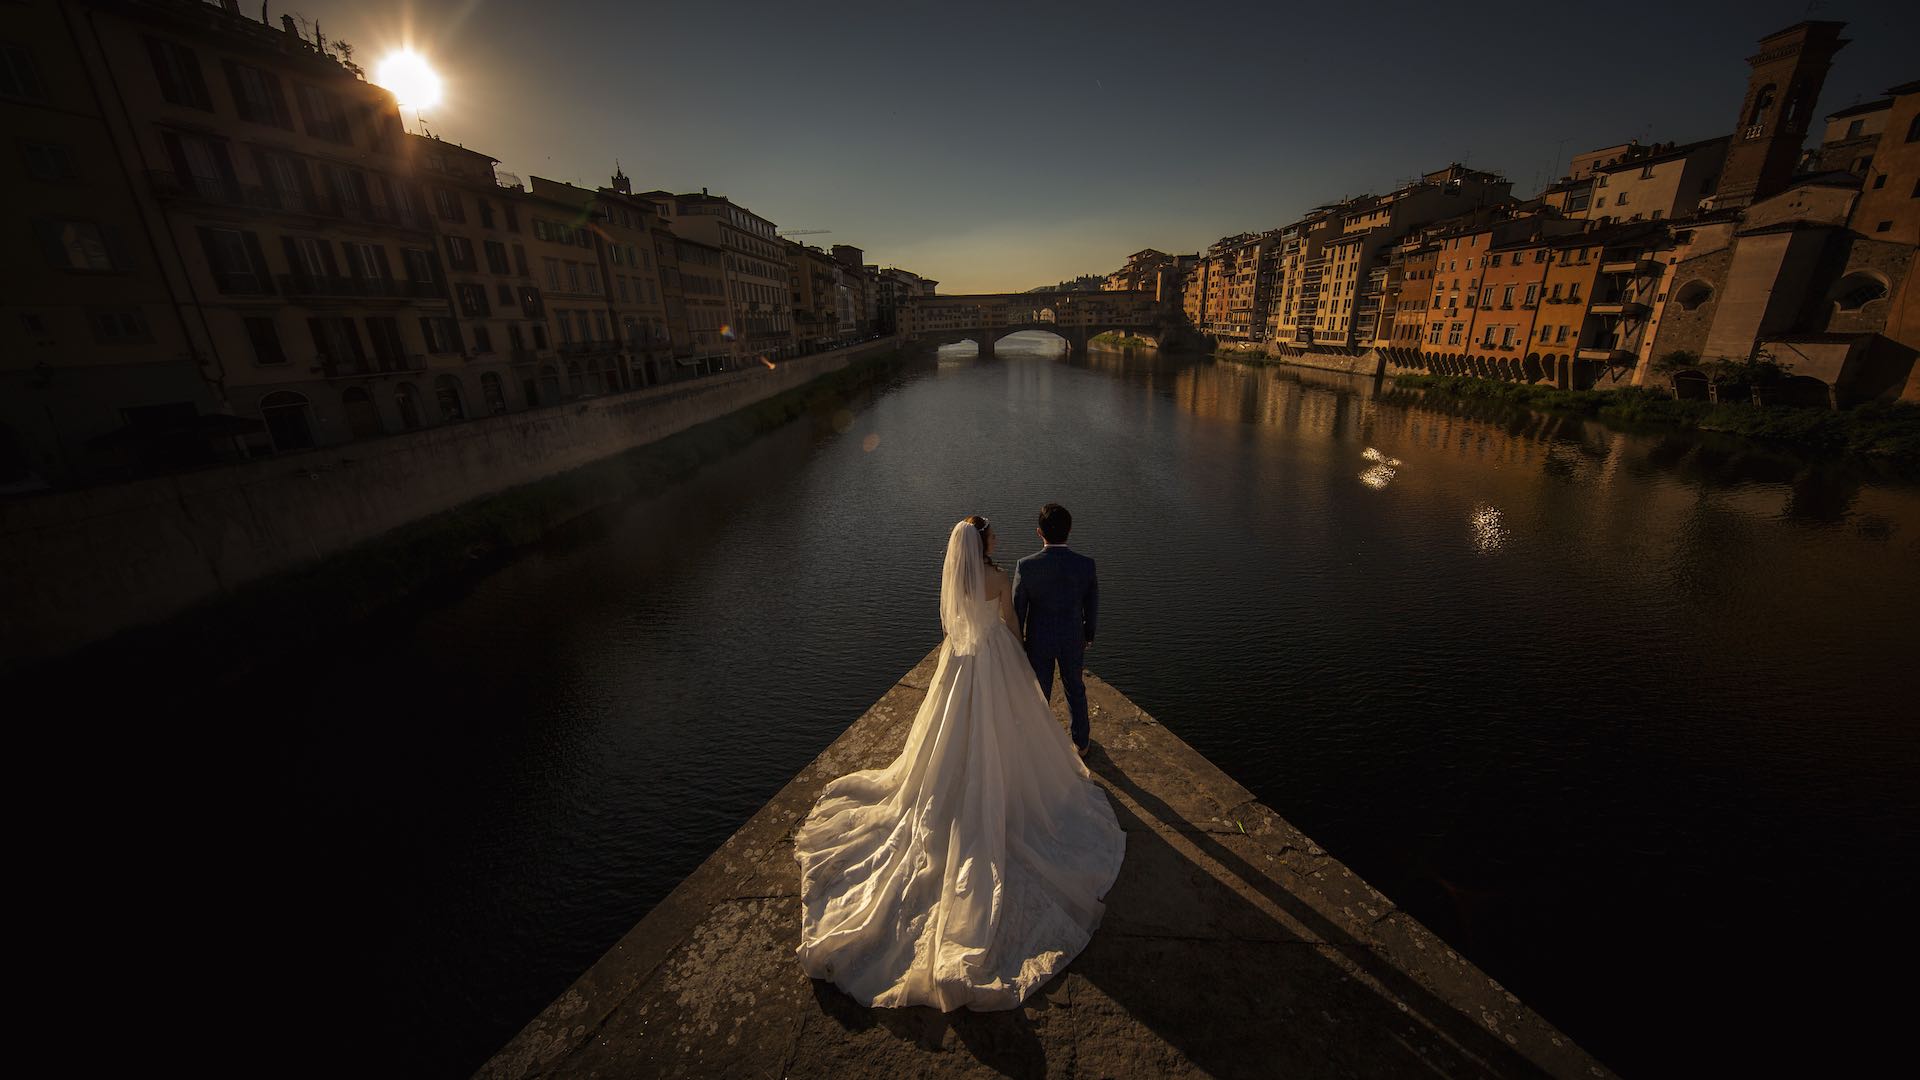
(1056, 599)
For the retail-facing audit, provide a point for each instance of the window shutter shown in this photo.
(259, 260)
(240, 102)
(169, 88)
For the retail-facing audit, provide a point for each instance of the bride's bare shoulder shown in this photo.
(996, 578)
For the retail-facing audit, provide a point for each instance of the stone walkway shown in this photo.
(1232, 946)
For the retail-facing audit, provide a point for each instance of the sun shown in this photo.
(413, 81)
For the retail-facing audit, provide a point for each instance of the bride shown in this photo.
(970, 870)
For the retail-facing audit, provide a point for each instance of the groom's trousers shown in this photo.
(1072, 667)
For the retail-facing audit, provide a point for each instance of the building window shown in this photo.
(573, 277)
(50, 162)
(460, 253)
(1853, 129)
(441, 335)
(1506, 297)
(486, 213)
(447, 204)
(265, 337)
(1885, 226)
(336, 342)
(320, 110)
(389, 350)
(82, 245)
(120, 326)
(531, 305)
(419, 265)
(257, 95)
(1560, 336)
(178, 70)
(1533, 294)
(497, 257)
(482, 340)
(504, 293)
(235, 258)
(289, 420)
(473, 301)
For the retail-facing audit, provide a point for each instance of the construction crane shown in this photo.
(803, 232)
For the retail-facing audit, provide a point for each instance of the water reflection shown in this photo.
(1489, 530)
(1566, 763)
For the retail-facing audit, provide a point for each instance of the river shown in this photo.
(1627, 719)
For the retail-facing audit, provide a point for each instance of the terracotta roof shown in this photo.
(1904, 88)
(1863, 107)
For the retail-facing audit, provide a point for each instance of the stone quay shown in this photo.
(1233, 945)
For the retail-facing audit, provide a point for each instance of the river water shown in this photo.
(1627, 719)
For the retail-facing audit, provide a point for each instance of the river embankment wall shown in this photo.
(82, 565)
(1367, 362)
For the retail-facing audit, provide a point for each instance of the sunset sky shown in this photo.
(997, 148)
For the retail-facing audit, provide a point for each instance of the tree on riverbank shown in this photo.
(1885, 430)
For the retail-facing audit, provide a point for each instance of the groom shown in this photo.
(1056, 599)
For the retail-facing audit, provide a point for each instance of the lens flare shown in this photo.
(871, 442)
(726, 331)
(769, 363)
(413, 81)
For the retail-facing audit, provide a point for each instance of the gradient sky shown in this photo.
(997, 148)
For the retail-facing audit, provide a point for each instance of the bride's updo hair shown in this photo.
(985, 529)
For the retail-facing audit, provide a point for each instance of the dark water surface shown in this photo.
(1628, 720)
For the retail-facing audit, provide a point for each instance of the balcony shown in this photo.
(1607, 355)
(1637, 265)
(219, 192)
(303, 285)
(1618, 307)
(358, 367)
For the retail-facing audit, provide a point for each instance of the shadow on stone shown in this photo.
(1246, 994)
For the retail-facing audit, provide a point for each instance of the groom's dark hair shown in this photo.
(1055, 523)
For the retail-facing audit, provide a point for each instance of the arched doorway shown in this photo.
(289, 419)
(407, 400)
(363, 416)
(493, 393)
(549, 385)
(453, 404)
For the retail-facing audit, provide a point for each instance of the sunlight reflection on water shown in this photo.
(1489, 531)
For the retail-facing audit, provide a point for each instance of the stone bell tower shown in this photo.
(1788, 72)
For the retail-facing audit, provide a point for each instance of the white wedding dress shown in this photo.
(970, 870)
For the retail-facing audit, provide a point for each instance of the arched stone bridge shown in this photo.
(985, 318)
